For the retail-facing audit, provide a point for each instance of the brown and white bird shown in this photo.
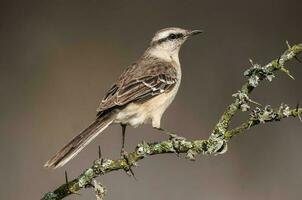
(140, 95)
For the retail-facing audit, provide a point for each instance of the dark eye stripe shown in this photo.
(175, 36)
(172, 36)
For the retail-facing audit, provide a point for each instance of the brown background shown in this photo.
(58, 58)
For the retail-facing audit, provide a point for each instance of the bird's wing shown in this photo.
(139, 83)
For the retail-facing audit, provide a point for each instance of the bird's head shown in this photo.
(171, 39)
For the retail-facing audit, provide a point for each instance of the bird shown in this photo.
(140, 95)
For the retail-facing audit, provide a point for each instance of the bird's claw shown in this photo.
(176, 141)
(175, 137)
(127, 169)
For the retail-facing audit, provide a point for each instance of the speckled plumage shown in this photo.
(140, 82)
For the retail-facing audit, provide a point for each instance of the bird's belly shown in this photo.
(139, 113)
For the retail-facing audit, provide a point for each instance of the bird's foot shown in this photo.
(172, 136)
(127, 169)
(176, 137)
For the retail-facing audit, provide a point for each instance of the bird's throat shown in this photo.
(168, 56)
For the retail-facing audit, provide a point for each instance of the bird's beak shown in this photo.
(194, 32)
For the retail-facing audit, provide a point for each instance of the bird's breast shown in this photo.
(135, 114)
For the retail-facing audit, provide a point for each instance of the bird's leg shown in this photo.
(170, 134)
(123, 139)
(124, 154)
(163, 131)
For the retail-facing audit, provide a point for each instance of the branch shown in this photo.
(272, 117)
(214, 145)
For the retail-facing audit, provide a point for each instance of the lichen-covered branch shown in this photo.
(266, 115)
(256, 74)
(215, 144)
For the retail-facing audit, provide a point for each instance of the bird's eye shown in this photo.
(172, 36)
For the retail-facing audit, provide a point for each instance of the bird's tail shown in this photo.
(70, 150)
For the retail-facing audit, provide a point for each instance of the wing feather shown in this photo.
(139, 83)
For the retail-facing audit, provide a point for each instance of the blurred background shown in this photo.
(59, 57)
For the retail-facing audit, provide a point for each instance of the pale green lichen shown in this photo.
(201, 145)
(143, 149)
(179, 143)
(244, 100)
(107, 163)
(284, 110)
(196, 147)
(263, 115)
(164, 146)
(191, 154)
(86, 177)
(184, 145)
(217, 147)
(50, 196)
(99, 189)
(257, 73)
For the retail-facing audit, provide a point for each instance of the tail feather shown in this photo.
(70, 150)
